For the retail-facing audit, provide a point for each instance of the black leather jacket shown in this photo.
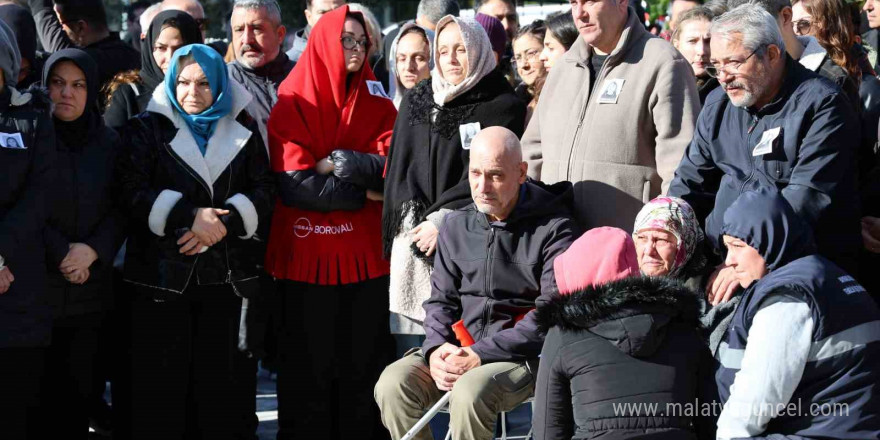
(164, 180)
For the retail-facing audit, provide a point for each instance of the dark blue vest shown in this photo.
(835, 397)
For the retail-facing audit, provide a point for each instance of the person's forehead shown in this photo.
(698, 27)
(191, 69)
(526, 42)
(496, 8)
(326, 5)
(352, 26)
(69, 71)
(249, 15)
(412, 42)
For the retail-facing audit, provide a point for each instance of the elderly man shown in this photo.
(773, 123)
(314, 10)
(191, 7)
(494, 262)
(260, 64)
(806, 49)
(619, 149)
(801, 356)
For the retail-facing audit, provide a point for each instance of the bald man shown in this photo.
(493, 265)
(191, 7)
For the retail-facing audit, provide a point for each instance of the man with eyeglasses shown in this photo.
(772, 124)
(64, 24)
(804, 48)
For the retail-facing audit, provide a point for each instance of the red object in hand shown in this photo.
(461, 333)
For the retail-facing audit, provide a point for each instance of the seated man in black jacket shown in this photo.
(494, 263)
(771, 124)
(82, 24)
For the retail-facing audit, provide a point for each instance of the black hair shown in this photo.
(89, 11)
(561, 26)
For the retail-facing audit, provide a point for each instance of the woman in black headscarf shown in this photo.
(82, 235)
(22, 24)
(130, 92)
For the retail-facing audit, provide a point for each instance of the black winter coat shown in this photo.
(83, 211)
(491, 275)
(126, 102)
(812, 160)
(624, 361)
(164, 179)
(25, 185)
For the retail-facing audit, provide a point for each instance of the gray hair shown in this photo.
(434, 10)
(757, 28)
(773, 7)
(148, 15)
(271, 6)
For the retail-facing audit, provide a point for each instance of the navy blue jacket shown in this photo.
(844, 360)
(26, 178)
(813, 160)
(491, 275)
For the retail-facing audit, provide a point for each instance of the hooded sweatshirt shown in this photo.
(616, 338)
(22, 25)
(492, 275)
(805, 334)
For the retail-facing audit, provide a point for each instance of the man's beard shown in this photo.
(748, 98)
(250, 62)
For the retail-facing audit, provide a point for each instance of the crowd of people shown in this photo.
(664, 236)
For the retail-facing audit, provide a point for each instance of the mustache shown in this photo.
(734, 84)
(254, 47)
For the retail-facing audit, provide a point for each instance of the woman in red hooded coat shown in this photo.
(328, 137)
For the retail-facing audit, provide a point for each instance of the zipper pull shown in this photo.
(754, 124)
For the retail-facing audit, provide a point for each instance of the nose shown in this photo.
(247, 37)
(730, 260)
(868, 6)
(412, 66)
(67, 91)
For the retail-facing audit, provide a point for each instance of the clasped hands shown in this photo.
(449, 362)
(325, 166)
(207, 230)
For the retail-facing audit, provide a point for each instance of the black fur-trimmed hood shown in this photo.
(632, 313)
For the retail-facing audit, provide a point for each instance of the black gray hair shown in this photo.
(757, 28)
(271, 6)
(773, 7)
(434, 10)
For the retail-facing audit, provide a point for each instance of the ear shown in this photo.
(774, 52)
(282, 32)
(623, 5)
(308, 16)
(523, 172)
(785, 15)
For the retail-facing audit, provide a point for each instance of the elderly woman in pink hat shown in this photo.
(668, 239)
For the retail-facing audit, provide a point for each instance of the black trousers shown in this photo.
(20, 372)
(188, 378)
(67, 387)
(335, 342)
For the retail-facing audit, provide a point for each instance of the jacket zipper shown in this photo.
(583, 114)
(755, 121)
(210, 194)
(226, 242)
(487, 284)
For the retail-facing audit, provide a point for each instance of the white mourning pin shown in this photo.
(611, 91)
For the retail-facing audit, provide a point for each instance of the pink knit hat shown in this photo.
(598, 257)
(495, 30)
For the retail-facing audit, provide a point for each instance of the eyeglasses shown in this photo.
(202, 23)
(529, 56)
(349, 43)
(802, 26)
(729, 68)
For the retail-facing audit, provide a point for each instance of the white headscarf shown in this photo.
(481, 59)
(397, 88)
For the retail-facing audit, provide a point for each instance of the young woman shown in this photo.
(561, 34)
(196, 182)
(527, 47)
(428, 164)
(82, 237)
(328, 137)
(130, 92)
(410, 59)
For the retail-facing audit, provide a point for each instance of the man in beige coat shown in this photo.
(615, 125)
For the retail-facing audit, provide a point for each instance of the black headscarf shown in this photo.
(74, 133)
(151, 73)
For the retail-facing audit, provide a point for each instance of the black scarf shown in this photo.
(74, 134)
(422, 179)
(151, 74)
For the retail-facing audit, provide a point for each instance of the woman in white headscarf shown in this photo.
(410, 59)
(428, 161)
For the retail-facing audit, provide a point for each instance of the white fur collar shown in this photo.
(814, 53)
(228, 139)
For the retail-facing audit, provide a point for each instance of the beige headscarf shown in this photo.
(481, 59)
